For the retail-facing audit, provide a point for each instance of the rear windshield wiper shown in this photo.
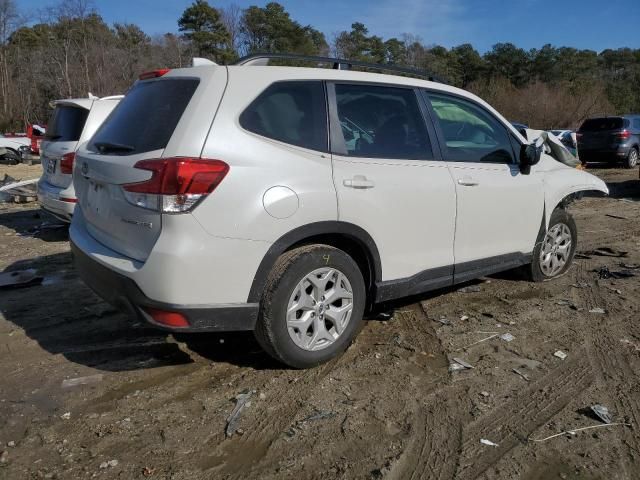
(52, 137)
(106, 147)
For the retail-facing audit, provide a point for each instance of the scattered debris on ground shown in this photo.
(385, 409)
(560, 354)
(242, 402)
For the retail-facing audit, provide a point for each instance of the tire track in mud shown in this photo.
(511, 424)
(291, 396)
(435, 441)
(436, 433)
(617, 376)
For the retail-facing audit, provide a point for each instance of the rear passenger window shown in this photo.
(66, 123)
(291, 112)
(636, 123)
(382, 122)
(470, 133)
(146, 117)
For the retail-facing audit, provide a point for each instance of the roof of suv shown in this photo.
(282, 73)
(83, 102)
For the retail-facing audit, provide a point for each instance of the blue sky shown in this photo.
(593, 24)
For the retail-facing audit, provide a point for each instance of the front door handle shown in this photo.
(467, 182)
(358, 181)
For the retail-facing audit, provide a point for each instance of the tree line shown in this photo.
(71, 51)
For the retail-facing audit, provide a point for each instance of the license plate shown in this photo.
(51, 166)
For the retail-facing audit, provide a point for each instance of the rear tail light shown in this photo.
(154, 73)
(624, 134)
(66, 163)
(176, 184)
(170, 319)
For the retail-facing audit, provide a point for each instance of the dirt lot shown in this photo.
(156, 406)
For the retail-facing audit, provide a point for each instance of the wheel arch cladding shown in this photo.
(350, 238)
(565, 184)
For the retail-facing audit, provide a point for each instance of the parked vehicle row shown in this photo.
(73, 122)
(611, 139)
(289, 200)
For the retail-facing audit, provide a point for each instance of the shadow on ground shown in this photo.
(66, 318)
(35, 223)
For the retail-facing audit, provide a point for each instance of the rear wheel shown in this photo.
(312, 306)
(555, 248)
(632, 159)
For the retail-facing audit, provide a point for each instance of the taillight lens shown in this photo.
(170, 319)
(624, 134)
(154, 73)
(176, 184)
(66, 162)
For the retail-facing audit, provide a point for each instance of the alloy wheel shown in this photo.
(556, 249)
(319, 309)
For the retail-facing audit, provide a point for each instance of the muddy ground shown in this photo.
(155, 406)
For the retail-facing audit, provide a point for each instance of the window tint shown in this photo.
(382, 122)
(291, 112)
(146, 117)
(601, 124)
(470, 133)
(66, 124)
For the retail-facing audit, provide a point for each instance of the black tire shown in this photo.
(534, 270)
(271, 329)
(632, 158)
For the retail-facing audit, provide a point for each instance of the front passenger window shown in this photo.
(470, 133)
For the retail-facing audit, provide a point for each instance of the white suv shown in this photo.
(72, 122)
(288, 200)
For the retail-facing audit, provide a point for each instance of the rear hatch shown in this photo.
(166, 116)
(63, 132)
(600, 133)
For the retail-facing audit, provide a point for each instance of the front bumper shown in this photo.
(123, 293)
(53, 200)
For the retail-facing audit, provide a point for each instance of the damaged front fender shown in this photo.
(564, 183)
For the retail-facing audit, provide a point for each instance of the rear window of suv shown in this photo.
(66, 124)
(602, 124)
(146, 117)
(291, 112)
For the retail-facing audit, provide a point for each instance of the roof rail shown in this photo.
(262, 59)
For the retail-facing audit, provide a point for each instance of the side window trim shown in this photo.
(337, 144)
(426, 92)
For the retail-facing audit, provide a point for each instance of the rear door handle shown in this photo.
(467, 182)
(358, 181)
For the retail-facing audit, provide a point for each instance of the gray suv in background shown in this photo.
(610, 139)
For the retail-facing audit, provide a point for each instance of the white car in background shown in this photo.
(73, 122)
(13, 148)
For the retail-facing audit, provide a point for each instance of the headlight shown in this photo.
(24, 150)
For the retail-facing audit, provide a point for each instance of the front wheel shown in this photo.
(312, 306)
(555, 248)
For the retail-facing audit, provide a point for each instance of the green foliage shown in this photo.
(203, 26)
(77, 52)
(271, 29)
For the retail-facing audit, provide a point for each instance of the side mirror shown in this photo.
(530, 155)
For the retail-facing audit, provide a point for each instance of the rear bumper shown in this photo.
(124, 293)
(56, 200)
